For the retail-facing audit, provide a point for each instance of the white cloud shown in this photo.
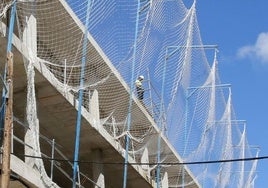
(258, 51)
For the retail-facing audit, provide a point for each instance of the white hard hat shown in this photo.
(141, 77)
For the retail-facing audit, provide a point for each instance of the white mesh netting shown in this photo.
(183, 96)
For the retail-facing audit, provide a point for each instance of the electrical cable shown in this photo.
(139, 163)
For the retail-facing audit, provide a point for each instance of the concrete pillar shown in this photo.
(94, 106)
(165, 180)
(97, 168)
(30, 36)
(94, 103)
(30, 41)
(145, 159)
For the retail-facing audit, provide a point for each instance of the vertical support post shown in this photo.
(78, 177)
(186, 56)
(8, 106)
(114, 128)
(78, 122)
(52, 159)
(130, 96)
(65, 75)
(150, 93)
(29, 38)
(145, 159)
(9, 47)
(165, 181)
(8, 124)
(11, 27)
(185, 136)
(162, 108)
(94, 107)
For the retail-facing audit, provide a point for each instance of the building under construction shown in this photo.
(70, 115)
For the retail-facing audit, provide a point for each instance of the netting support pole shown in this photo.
(185, 137)
(150, 92)
(8, 105)
(162, 108)
(130, 97)
(78, 122)
(52, 157)
(65, 75)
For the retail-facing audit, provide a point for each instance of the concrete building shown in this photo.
(101, 155)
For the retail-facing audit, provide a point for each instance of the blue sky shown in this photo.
(240, 29)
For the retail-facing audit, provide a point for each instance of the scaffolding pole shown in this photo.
(8, 124)
(82, 76)
(127, 139)
(8, 105)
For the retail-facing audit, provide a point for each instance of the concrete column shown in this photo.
(30, 41)
(145, 159)
(29, 148)
(165, 180)
(30, 36)
(97, 168)
(94, 106)
(94, 103)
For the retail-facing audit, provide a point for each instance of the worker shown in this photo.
(139, 88)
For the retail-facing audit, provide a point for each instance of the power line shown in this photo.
(153, 163)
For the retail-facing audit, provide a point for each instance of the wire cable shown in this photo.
(139, 163)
